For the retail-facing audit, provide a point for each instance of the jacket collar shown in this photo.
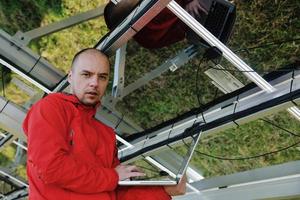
(73, 98)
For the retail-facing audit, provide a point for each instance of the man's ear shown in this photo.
(70, 76)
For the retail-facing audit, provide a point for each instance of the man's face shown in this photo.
(89, 77)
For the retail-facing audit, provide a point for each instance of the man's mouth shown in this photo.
(92, 93)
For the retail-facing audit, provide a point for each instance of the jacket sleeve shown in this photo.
(49, 153)
(116, 160)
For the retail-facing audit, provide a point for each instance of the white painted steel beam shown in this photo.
(25, 38)
(278, 181)
(216, 113)
(213, 41)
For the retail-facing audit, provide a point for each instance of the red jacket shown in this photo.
(163, 30)
(72, 156)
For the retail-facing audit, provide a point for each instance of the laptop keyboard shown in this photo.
(215, 19)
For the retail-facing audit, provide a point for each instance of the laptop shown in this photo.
(157, 174)
(219, 21)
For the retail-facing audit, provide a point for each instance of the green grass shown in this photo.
(250, 139)
(258, 22)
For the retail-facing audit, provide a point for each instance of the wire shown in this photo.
(216, 93)
(119, 122)
(250, 157)
(211, 53)
(278, 42)
(229, 70)
(255, 156)
(294, 134)
(197, 82)
(261, 71)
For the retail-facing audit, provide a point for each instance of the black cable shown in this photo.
(159, 173)
(269, 122)
(252, 71)
(278, 42)
(197, 84)
(250, 157)
(204, 121)
(292, 82)
(259, 155)
(210, 54)
(200, 104)
(216, 93)
(234, 109)
(119, 122)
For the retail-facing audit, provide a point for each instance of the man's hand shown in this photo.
(195, 8)
(178, 189)
(128, 171)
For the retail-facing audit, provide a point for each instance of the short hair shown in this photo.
(77, 55)
(115, 14)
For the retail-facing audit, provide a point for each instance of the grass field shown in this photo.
(258, 22)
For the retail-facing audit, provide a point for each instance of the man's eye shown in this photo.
(85, 75)
(103, 78)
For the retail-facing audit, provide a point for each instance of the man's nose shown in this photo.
(94, 82)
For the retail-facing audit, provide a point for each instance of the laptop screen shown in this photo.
(166, 165)
(219, 21)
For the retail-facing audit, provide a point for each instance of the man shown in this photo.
(164, 29)
(71, 155)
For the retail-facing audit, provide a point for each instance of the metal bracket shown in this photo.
(24, 38)
(213, 41)
(119, 69)
(183, 57)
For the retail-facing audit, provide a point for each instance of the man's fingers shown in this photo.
(128, 171)
(202, 9)
(134, 174)
(198, 8)
(195, 8)
(135, 171)
(133, 168)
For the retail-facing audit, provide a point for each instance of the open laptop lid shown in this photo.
(219, 21)
(157, 174)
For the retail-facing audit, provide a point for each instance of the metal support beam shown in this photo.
(119, 70)
(295, 112)
(213, 41)
(134, 22)
(20, 187)
(16, 143)
(6, 139)
(239, 109)
(172, 64)
(11, 118)
(16, 181)
(17, 194)
(27, 64)
(24, 38)
(223, 79)
(269, 182)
